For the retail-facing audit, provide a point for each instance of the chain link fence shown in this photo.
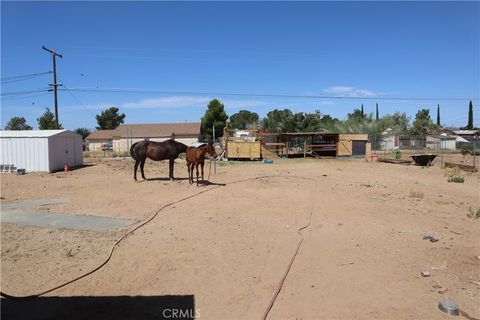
(448, 149)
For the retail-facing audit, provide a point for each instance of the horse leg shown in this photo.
(135, 170)
(170, 169)
(190, 173)
(197, 172)
(188, 169)
(201, 166)
(142, 164)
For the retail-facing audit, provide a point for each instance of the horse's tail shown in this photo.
(138, 155)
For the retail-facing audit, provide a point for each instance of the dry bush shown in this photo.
(416, 195)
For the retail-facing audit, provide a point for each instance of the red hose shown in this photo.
(282, 281)
(5, 295)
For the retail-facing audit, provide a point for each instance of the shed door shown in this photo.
(69, 150)
(63, 152)
(359, 148)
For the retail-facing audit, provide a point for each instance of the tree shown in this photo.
(422, 124)
(329, 123)
(400, 122)
(215, 116)
(376, 112)
(438, 115)
(109, 119)
(244, 119)
(356, 115)
(17, 123)
(313, 122)
(279, 121)
(47, 121)
(363, 113)
(84, 132)
(470, 116)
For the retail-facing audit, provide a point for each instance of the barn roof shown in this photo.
(31, 133)
(152, 130)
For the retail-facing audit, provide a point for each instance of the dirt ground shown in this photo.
(361, 258)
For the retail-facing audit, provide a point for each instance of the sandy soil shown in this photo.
(361, 257)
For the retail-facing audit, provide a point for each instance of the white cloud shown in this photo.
(167, 102)
(350, 92)
(187, 101)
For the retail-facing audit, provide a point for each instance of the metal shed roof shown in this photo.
(30, 133)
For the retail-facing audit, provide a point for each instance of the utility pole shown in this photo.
(54, 84)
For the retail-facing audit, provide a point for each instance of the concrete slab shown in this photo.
(32, 203)
(64, 221)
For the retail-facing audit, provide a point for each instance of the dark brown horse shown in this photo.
(196, 156)
(169, 149)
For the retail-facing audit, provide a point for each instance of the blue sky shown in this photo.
(355, 49)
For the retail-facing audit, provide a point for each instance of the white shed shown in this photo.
(41, 150)
(441, 142)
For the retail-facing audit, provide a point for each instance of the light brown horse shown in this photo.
(196, 156)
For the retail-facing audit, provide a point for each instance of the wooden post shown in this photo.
(304, 148)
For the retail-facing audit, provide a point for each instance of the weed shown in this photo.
(474, 214)
(450, 172)
(416, 194)
(456, 179)
(69, 253)
(396, 154)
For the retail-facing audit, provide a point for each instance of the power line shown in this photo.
(26, 96)
(14, 93)
(124, 90)
(78, 100)
(24, 77)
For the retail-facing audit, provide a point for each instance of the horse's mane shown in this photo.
(202, 145)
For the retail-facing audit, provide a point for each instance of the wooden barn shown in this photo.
(254, 144)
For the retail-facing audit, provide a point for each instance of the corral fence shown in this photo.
(447, 148)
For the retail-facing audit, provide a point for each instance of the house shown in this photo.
(40, 150)
(469, 135)
(121, 138)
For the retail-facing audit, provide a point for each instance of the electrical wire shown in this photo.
(26, 96)
(159, 91)
(24, 92)
(79, 102)
(24, 77)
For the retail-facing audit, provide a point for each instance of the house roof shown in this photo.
(152, 130)
(101, 135)
(467, 132)
(31, 133)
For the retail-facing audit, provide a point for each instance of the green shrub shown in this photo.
(466, 149)
(456, 179)
(396, 154)
(474, 214)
